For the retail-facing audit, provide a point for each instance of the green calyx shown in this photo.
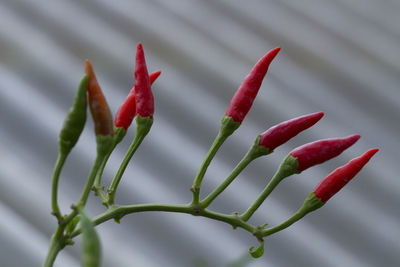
(119, 134)
(105, 143)
(257, 151)
(311, 203)
(288, 166)
(228, 126)
(75, 120)
(143, 125)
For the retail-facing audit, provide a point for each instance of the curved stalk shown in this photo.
(117, 212)
(54, 187)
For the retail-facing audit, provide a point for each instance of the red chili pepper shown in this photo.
(337, 179)
(127, 111)
(98, 105)
(320, 151)
(247, 92)
(153, 76)
(283, 132)
(143, 94)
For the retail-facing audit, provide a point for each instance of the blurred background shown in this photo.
(340, 57)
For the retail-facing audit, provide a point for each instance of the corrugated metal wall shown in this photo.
(339, 57)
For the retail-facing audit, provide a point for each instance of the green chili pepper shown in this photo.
(91, 250)
(75, 120)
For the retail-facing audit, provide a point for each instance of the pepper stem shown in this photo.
(310, 204)
(255, 151)
(62, 156)
(119, 134)
(296, 216)
(142, 129)
(287, 168)
(104, 145)
(56, 245)
(228, 126)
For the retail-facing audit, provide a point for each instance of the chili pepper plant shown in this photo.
(139, 104)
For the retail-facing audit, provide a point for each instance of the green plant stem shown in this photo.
(54, 187)
(143, 126)
(286, 169)
(310, 204)
(238, 169)
(58, 240)
(219, 140)
(131, 151)
(97, 187)
(296, 216)
(254, 152)
(104, 144)
(117, 212)
(89, 183)
(260, 199)
(228, 126)
(56, 245)
(119, 134)
(99, 174)
(86, 191)
(99, 191)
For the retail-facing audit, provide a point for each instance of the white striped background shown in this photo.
(339, 57)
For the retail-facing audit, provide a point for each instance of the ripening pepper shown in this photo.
(127, 111)
(75, 120)
(332, 183)
(320, 151)
(144, 96)
(300, 159)
(247, 92)
(311, 154)
(283, 132)
(329, 186)
(98, 105)
(337, 179)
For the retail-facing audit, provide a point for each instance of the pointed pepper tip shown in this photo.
(371, 152)
(88, 68)
(274, 51)
(139, 47)
(316, 115)
(354, 137)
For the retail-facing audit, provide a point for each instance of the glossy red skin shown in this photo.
(283, 132)
(247, 92)
(144, 96)
(320, 151)
(337, 179)
(98, 105)
(127, 111)
(153, 76)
